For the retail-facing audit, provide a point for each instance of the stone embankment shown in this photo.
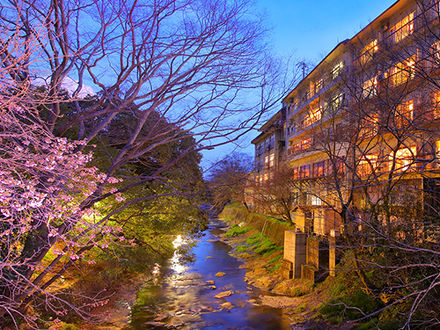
(270, 227)
(298, 299)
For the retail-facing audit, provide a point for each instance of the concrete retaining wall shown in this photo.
(270, 227)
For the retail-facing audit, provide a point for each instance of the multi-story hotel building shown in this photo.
(269, 147)
(362, 128)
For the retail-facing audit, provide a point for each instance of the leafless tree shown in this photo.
(188, 63)
(381, 176)
(278, 195)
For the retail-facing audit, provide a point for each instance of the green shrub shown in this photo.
(266, 248)
(241, 248)
(252, 240)
(236, 230)
(337, 310)
(276, 259)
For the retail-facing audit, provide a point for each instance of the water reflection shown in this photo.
(184, 300)
(176, 262)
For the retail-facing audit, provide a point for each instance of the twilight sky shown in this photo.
(312, 28)
(308, 30)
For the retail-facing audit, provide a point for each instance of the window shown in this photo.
(266, 161)
(436, 105)
(403, 71)
(369, 88)
(404, 114)
(437, 145)
(404, 159)
(435, 49)
(370, 126)
(403, 28)
(368, 51)
(295, 173)
(314, 200)
(312, 117)
(337, 164)
(337, 69)
(306, 144)
(367, 165)
(272, 160)
(318, 169)
(305, 171)
(316, 87)
(337, 101)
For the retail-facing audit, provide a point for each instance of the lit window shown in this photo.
(370, 126)
(435, 48)
(368, 51)
(337, 69)
(403, 28)
(437, 144)
(318, 169)
(367, 164)
(403, 71)
(266, 177)
(315, 200)
(436, 105)
(271, 160)
(404, 114)
(306, 144)
(305, 171)
(336, 101)
(404, 159)
(369, 88)
(312, 117)
(316, 87)
(295, 173)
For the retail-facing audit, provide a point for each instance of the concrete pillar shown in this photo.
(317, 259)
(332, 255)
(295, 250)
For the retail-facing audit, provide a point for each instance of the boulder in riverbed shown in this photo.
(227, 305)
(220, 274)
(224, 294)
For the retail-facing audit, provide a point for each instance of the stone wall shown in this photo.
(270, 227)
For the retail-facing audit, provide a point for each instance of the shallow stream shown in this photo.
(180, 298)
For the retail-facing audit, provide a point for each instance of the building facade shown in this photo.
(362, 130)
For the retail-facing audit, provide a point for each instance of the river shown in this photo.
(181, 298)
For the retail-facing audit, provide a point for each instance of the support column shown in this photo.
(294, 252)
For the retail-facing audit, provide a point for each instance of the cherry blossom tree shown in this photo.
(177, 67)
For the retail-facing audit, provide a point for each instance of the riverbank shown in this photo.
(257, 240)
(299, 300)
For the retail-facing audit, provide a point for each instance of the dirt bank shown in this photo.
(298, 299)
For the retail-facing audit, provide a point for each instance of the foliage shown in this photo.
(237, 230)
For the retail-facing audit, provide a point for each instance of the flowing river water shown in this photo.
(181, 298)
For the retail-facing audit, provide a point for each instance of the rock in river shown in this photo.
(224, 294)
(227, 305)
(220, 274)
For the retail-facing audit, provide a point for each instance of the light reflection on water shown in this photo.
(183, 300)
(176, 262)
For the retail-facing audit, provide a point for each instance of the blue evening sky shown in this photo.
(310, 29)
(307, 30)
